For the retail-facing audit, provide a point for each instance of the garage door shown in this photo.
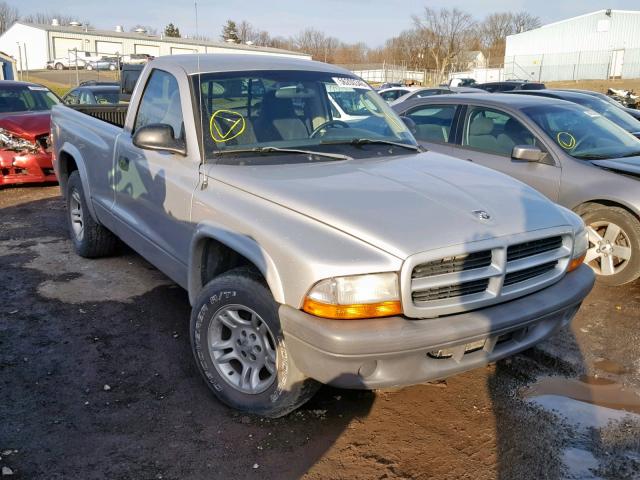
(61, 46)
(152, 50)
(108, 48)
(178, 51)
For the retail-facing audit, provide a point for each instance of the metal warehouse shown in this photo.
(33, 45)
(598, 45)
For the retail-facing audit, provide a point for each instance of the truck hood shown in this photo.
(27, 125)
(624, 165)
(402, 205)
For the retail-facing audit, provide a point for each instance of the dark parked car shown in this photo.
(635, 113)
(93, 94)
(509, 85)
(570, 153)
(613, 113)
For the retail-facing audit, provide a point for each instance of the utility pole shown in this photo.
(20, 58)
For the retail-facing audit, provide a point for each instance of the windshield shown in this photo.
(292, 109)
(613, 113)
(26, 98)
(583, 133)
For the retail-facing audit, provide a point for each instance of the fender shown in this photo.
(244, 245)
(70, 149)
(607, 199)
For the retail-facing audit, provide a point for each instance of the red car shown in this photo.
(25, 155)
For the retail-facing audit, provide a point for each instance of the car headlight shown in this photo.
(353, 297)
(580, 247)
(9, 141)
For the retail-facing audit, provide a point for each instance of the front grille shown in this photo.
(435, 285)
(527, 273)
(451, 291)
(527, 249)
(453, 264)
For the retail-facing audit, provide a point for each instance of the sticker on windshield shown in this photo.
(38, 89)
(566, 140)
(351, 82)
(226, 125)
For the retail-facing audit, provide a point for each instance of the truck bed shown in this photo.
(113, 114)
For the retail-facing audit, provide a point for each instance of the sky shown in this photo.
(368, 21)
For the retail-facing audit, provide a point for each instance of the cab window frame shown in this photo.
(451, 140)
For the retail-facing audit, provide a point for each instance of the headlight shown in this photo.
(357, 296)
(11, 142)
(580, 247)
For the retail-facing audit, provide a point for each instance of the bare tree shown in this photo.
(316, 43)
(497, 26)
(8, 15)
(45, 18)
(443, 35)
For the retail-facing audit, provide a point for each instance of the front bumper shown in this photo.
(396, 351)
(18, 167)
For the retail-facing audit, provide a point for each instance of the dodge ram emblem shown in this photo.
(481, 214)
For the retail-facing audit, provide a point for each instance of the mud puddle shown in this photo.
(594, 390)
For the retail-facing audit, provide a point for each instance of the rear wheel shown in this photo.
(239, 347)
(90, 239)
(59, 66)
(614, 244)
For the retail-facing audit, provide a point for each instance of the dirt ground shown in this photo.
(97, 381)
(598, 85)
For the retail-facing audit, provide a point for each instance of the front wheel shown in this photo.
(59, 66)
(89, 67)
(240, 350)
(614, 244)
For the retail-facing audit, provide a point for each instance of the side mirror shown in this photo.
(158, 136)
(527, 153)
(411, 125)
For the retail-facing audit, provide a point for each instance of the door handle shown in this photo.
(123, 163)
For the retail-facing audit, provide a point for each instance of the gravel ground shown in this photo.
(97, 381)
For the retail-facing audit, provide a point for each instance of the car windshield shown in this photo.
(615, 114)
(293, 109)
(583, 133)
(26, 98)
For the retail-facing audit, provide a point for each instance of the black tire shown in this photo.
(594, 215)
(94, 240)
(244, 287)
(59, 66)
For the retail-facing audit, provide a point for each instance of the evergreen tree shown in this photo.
(230, 32)
(171, 31)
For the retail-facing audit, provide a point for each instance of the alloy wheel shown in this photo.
(76, 215)
(609, 248)
(242, 349)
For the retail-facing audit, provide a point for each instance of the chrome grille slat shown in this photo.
(466, 277)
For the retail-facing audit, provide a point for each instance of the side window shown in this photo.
(160, 103)
(433, 122)
(495, 132)
(72, 98)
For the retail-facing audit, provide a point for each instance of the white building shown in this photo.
(33, 45)
(598, 45)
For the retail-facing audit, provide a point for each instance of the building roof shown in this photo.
(230, 62)
(155, 38)
(7, 57)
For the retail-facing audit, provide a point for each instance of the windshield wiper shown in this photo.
(368, 141)
(592, 156)
(262, 150)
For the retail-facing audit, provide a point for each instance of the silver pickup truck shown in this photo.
(315, 249)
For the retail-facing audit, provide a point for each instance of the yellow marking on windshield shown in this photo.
(231, 126)
(566, 140)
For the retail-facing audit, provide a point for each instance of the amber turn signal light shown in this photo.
(576, 262)
(352, 312)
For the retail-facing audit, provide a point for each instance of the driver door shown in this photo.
(488, 138)
(154, 188)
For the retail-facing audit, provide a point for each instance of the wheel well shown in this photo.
(580, 209)
(67, 165)
(218, 258)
